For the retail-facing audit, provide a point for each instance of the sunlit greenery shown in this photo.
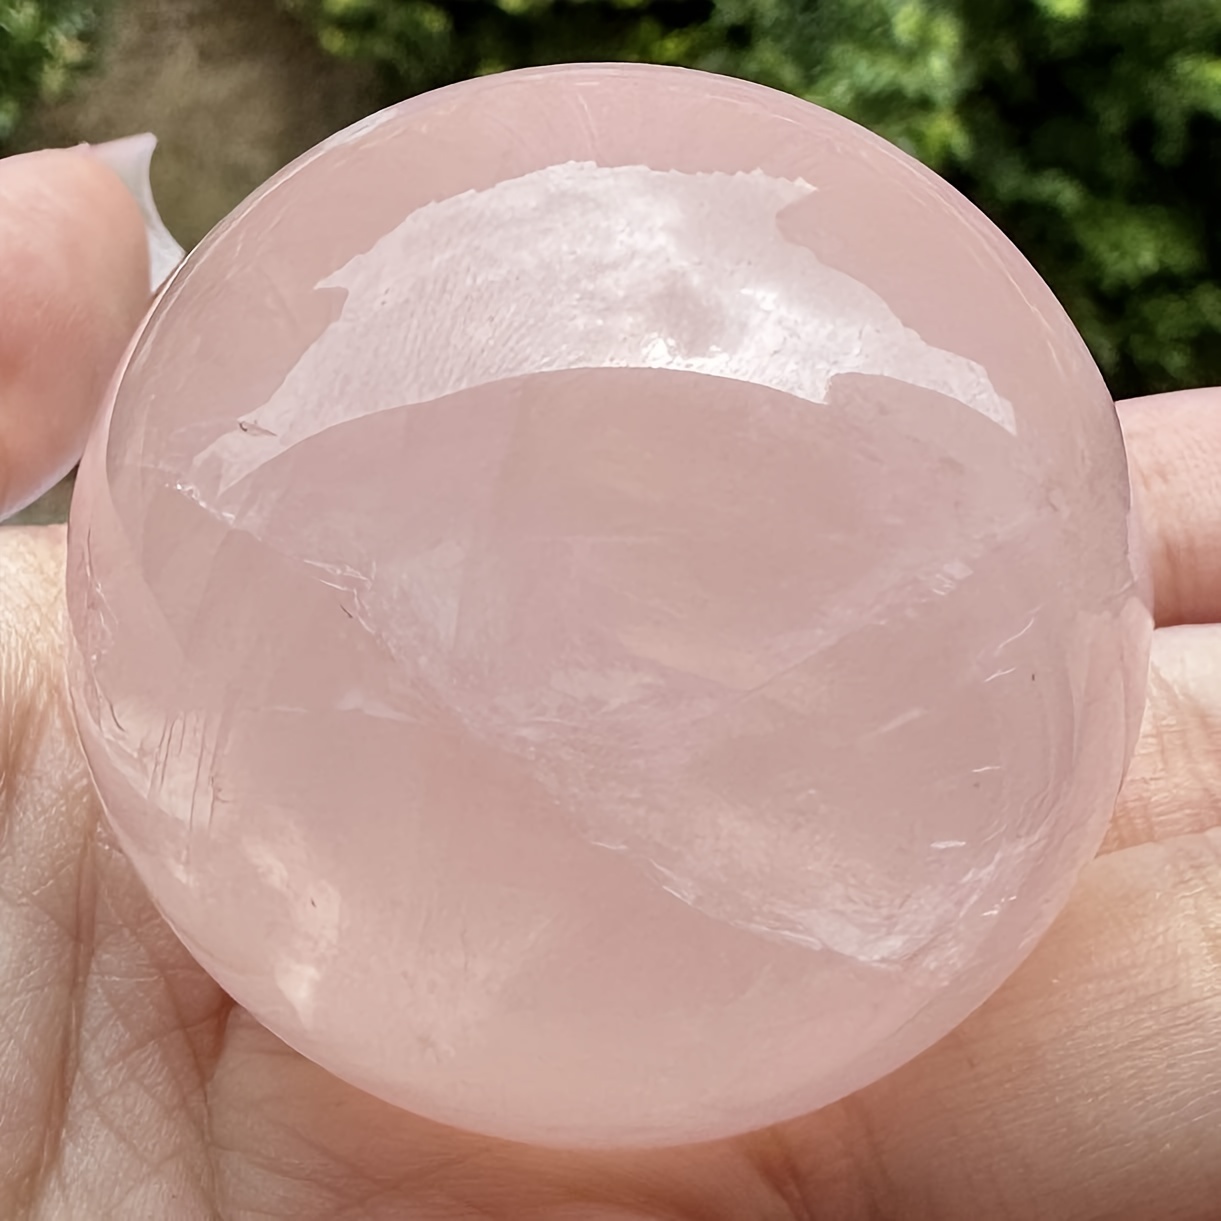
(43, 44)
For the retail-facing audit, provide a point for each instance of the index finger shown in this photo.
(1174, 452)
(73, 284)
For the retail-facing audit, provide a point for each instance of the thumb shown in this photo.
(73, 284)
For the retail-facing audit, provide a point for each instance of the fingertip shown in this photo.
(1174, 452)
(73, 285)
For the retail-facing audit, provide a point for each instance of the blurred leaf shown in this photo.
(1064, 10)
(44, 44)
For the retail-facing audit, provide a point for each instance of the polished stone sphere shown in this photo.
(603, 606)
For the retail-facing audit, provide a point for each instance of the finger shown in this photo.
(1173, 785)
(73, 284)
(1174, 450)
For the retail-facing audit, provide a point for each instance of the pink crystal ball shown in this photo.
(604, 608)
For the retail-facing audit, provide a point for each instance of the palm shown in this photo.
(131, 1087)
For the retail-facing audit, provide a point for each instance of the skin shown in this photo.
(131, 1087)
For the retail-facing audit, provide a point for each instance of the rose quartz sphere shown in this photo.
(603, 606)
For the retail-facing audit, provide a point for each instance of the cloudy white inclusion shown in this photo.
(587, 266)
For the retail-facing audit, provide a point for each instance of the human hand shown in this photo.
(132, 1088)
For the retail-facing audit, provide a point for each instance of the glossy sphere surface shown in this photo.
(602, 606)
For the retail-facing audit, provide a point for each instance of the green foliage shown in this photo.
(1090, 130)
(424, 43)
(43, 43)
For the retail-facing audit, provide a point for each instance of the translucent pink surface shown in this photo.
(602, 606)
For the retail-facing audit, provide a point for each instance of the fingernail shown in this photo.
(131, 159)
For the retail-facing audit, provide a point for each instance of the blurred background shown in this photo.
(1089, 130)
